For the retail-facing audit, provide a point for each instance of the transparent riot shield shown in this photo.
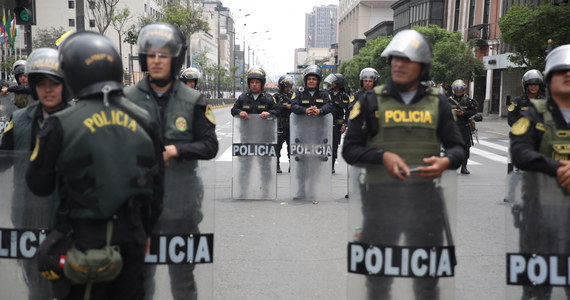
(538, 239)
(311, 157)
(7, 106)
(401, 235)
(180, 262)
(25, 218)
(254, 161)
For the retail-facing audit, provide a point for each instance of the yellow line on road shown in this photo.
(495, 132)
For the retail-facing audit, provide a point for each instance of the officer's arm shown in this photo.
(41, 174)
(450, 136)
(328, 107)
(272, 107)
(205, 144)
(296, 106)
(513, 112)
(237, 107)
(525, 141)
(355, 149)
(21, 89)
(471, 108)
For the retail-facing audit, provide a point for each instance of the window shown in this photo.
(71, 22)
(91, 23)
(456, 17)
(70, 4)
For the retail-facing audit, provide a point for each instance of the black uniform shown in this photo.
(247, 103)
(283, 133)
(537, 234)
(302, 99)
(390, 207)
(186, 121)
(115, 149)
(469, 108)
(518, 105)
(340, 103)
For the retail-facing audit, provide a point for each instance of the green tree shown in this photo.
(527, 29)
(45, 38)
(102, 12)
(118, 22)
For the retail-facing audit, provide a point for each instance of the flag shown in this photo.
(63, 37)
(13, 32)
(8, 29)
(4, 33)
(310, 38)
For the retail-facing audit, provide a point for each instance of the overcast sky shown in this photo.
(285, 20)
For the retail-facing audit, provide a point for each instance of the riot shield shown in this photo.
(22, 228)
(311, 157)
(254, 160)
(180, 262)
(538, 239)
(7, 106)
(401, 235)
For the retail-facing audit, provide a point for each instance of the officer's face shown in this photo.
(255, 86)
(459, 92)
(367, 84)
(191, 83)
(49, 93)
(23, 79)
(158, 63)
(533, 88)
(312, 81)
(287, 89)
(404, 71)
(560, 86)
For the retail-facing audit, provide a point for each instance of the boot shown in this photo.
(333, 166)
(279, 168)
(464, 168)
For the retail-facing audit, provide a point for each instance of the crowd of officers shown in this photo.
(115, 158)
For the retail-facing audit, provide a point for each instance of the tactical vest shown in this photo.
(407, 130)
(23, 120)
(179, 112)
(106, 158)
(555, 142)
(255, 106)
(306, 100)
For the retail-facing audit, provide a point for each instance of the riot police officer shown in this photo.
(532, 83)
(21, 90)
(255, 101)
(283, 102)
(334, 83)
(188, 132)
(538, 139)
(464, 108)
(103, 156)
(310, 99)
(379, 135)
(190, 77)
(369, 78)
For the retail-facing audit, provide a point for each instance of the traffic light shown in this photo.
(25, 12)
(241, 81)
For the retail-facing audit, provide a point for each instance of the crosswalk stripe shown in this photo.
(494, 146)
(489, 155)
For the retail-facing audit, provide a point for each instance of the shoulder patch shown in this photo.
(521, 126)
(293, 96)
(540, 126)
(210, 114)
(512, 106)
(355, 111)
(351, 99)
(36, 150)
(9, 127)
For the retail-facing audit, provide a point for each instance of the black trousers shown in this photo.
(417, 213)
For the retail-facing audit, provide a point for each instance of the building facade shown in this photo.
(321, 27)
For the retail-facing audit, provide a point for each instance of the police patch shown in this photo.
(355, 111)
(351, 99)
(512, 107)
(181, 123)
(521, 126)
(10, 126)
(210, 114)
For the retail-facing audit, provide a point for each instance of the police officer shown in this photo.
(103, 156)
(334, 83)
(188, 132)
(255, 101)
(283, 102)
(21, 89)
(46, 82)
(400, 144)
(538, 139)
(190, 77)
(463, 108)
(311, 100)
(369, 78)
(532, 83)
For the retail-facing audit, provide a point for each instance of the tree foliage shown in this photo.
(103, 12)
(45, 38)
(118, 22)
(188, 19)
(452, 58)
(527, 28)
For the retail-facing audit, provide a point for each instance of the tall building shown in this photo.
(356, 17)
(321, 27)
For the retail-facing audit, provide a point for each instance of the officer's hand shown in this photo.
(458, 112)
(395, 164)
(317, 111)
(169, 152)
(4, 91)
(436, 166)
(288, 106)
(243, 115)
(563, 174)
(343, 128)
(310, 111)
(264, 115)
